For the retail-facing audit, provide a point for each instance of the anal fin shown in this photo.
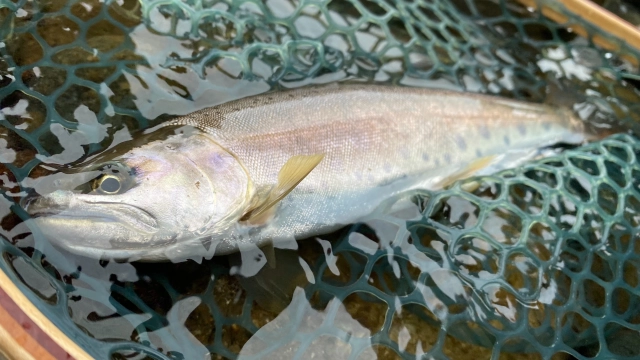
(467, 171)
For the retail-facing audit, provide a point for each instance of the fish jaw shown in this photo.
(109, 226)
(108, 240)
(73, 207)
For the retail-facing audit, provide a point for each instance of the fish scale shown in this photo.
(422, 122)
(372, 137)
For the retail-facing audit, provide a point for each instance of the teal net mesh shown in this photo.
(539, 261)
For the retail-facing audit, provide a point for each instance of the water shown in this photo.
(78, 77)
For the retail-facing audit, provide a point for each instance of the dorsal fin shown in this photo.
(290, 175)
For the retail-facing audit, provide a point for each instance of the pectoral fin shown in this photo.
(291, 174)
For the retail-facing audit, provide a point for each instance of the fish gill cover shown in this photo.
(539, 261)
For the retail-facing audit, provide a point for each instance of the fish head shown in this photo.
(148, 197)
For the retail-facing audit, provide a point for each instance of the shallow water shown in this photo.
(81, 76)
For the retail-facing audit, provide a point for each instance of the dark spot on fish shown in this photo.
(292, 96)
(258, 258)
(328, 251)
(484, 131)
(522, 129)
(75, 298)
(462, 145)
(270, 98)
(198, 184)
(410, 240)
(506, 140)
(478, 153)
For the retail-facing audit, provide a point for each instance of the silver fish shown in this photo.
(283, 166)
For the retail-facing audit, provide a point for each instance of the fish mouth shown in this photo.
(66, 208)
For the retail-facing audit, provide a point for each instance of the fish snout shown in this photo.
(38, 205)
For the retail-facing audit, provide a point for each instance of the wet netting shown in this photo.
(541, 261)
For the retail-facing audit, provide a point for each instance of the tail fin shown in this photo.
(592, 115)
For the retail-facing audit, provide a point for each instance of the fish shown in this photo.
(274, 168)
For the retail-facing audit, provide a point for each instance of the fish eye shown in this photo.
(108, 184)
(112, 178)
